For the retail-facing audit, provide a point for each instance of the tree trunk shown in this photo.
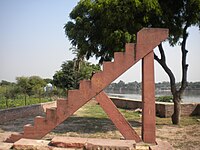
(6, 102)
(177, 109)
(25, 99)
(176, 93)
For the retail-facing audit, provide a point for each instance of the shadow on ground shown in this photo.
(88, 125)
(72, 124)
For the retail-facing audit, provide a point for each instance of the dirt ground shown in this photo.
(180, 137)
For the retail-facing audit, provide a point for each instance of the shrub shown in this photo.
(164, 98)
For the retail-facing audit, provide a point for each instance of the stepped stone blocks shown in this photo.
(147, 39)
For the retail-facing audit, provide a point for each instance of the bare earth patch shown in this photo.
(91, 121)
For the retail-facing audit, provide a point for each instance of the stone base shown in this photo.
(72, 143)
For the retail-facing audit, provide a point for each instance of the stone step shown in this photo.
(14, 137)
(85, 87)
(51, 113)
(39, 122)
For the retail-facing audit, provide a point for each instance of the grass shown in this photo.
(93, 110)
(185, 121)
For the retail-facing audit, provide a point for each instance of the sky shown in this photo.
(33, 42)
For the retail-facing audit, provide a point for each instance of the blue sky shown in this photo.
(33, 42)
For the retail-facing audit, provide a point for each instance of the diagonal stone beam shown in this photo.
(117, 118)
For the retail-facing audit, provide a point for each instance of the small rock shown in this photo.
(139, 110)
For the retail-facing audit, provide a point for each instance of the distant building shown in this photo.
(48, 87)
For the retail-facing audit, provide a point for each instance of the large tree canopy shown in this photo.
(101, 27)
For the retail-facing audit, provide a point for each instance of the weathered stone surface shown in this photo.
(24, 144)
(148, 99)
(5, 146)
(68, 142)
(161, 145)
(88, 143)
(74, 143)
(110, 144)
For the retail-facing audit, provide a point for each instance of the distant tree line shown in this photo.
(29, 89)
(122, 87)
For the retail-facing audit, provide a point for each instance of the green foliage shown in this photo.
(37, 84)
(20, 102)
(101, 27)
(164, 99)
(24, 85)
(29, 88)
(5, 83)
(68, 77)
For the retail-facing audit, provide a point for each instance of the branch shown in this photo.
(162, 62)
(162, 53)
(184, 56)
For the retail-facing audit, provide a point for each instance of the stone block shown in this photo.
(5, 146)
(89, 143)
(23, 144)
(161, 145)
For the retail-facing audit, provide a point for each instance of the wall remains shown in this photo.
(20, 112)
(162, 109)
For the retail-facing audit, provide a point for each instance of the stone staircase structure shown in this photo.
(147, 40)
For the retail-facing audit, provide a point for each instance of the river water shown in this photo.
(188, 97)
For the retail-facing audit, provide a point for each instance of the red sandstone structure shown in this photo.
(147, 40)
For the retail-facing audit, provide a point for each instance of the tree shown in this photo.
(47, 80)
(37, 85)
(68, 77)
(5, 83)
(101, 27)
(25, 87)
(79, 58)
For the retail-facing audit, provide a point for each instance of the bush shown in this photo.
(164, 99)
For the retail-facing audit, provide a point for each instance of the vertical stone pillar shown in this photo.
(148, 99)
